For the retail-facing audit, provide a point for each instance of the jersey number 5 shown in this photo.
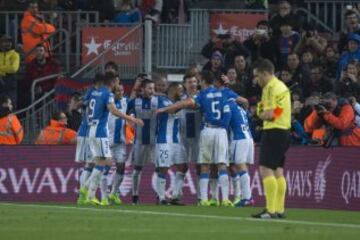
(215, 109)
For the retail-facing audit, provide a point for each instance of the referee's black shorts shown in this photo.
(274, 144)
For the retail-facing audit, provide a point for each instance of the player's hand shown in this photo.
(138, 121)
(225, 79)
(160, 110)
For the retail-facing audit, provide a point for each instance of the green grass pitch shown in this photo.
(68, 222)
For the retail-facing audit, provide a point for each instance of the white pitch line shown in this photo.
(141, 212)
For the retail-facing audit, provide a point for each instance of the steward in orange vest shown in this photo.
(11, 131)
(34, 30)
(57, 133)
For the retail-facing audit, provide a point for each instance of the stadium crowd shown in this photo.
(314, 68)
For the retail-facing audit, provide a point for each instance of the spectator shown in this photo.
(286, 42)
(300, 73)
(352, 26)
(9, 65)
(128, 13)
(234, 82)
(307, 107)
(150, 9)
(57, 133)
(329, 61)
(11, 131)
(353, 53)
(284, 8)
(41, 66)
(287, 78)
(111, 66)
(34, 30)
(338, 117)
(318, 81)
(242, 68)
(307, 58)
(349, 84)
(310, 39)
(227, 46)
(73, 113)
(356, 106)
(261, 43)
(215, 64)
(175, 11)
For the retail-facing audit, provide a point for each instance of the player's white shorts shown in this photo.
(99, 147)
(120, 152)
(242, 151)
(83, 153)
(191, 148)
(142, 154)
(168, 154)
(213, 146)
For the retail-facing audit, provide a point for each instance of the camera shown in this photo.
(321, 106)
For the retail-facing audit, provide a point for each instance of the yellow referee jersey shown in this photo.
(276, 96)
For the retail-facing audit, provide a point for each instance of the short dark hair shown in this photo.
(208, 77)
(112, 64)
(57, 115)
(99, 77)
(317, 66)
(188, 75)
(39, 45)
(109, 77)
(145, 82)
(263, 22)
(264, 65)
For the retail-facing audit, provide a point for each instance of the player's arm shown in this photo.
(112, 108)
(187, 103)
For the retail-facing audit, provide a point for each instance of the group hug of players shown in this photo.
(208, 127)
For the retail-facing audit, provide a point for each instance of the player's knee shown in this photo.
(242, 167)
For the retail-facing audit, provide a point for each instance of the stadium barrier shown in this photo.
(316, 177)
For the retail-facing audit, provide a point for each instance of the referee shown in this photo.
(275, 111)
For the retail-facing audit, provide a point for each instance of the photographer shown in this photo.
(338, 117)
(227, 46)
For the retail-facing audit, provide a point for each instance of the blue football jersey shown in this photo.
(214, 107)
(84, 126)
(98, 112)
(145, 109)
(239, 123)
(116, 124)
(168, 124)
(190, 122)
(228, 93)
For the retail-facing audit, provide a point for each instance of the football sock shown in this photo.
(245, 184)
(236, 185)
(178, 185)
(270, 190)
(161, 184)
(203, 184)
(85, 174)
(198, 187)
(103, 183)
(118, 178)
(95, 180)
(224, 184)
(136, 177)
(214, 190)
(280, 197)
